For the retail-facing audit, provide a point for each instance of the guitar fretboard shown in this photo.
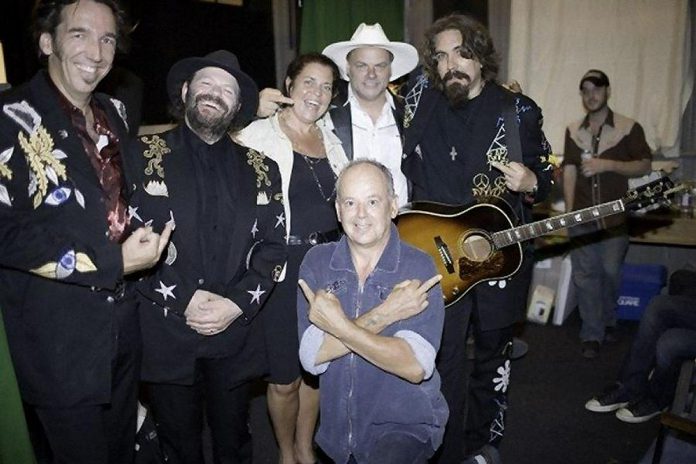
(546, 226)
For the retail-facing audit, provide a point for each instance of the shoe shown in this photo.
(641, 411)
(519, 349)
(611, 335)
(590, 349)
(486, 455)
(611, 399)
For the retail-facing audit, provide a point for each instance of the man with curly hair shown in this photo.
(470, 140)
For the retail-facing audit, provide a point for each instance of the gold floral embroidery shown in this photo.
(257, 160)
(5, 172)
(156, 151)
(43, 160)
(278, 197)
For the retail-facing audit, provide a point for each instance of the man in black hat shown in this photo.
(227, 251)
(65, 242)
(601, 152)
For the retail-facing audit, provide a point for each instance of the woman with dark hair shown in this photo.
(310, 157)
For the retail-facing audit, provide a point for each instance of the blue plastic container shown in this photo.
(639, 284)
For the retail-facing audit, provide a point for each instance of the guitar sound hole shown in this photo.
(476, 247)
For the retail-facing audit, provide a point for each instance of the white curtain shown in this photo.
(642, 45)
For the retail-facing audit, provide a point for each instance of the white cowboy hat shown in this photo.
(405, 55)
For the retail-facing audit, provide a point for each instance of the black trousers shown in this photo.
(487, 390)
(97, 433)
(178, 411)
(452, 364)
(475, 390)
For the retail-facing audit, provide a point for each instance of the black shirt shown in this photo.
(454, 147)
(215, 202)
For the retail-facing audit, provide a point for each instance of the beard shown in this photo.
(456, 92)
(596, 107)
(208, 126)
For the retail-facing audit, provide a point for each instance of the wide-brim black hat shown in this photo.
(185, 69)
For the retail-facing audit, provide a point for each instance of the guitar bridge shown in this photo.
(445, 254)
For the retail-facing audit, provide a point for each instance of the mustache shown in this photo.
(454, 74)
(214, 99)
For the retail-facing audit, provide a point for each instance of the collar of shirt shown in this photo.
(342, 259)
(200, 148)
(609, 121)
(77, 117)
(105, 158)
(361, 119)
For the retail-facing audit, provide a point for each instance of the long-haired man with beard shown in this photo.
(460, 149)
(227, 251)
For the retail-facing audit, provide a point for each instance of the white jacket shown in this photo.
(265, 136)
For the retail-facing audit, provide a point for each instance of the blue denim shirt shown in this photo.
(359, 401)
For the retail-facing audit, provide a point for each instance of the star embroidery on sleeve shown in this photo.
(166, 291)
(256, 294)
(280, 219)
(254, 228)
(133, 213)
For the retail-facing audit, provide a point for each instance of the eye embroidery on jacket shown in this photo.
(58, 196)
(66, 265)
(43, 159)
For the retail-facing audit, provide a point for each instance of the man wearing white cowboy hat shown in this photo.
(198, 308)
(367, 119)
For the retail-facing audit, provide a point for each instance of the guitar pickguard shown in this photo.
(475, 271)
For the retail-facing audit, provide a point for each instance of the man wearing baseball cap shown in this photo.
(198, 308)
(602, 150)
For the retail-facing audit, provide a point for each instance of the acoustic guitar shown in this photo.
(480, 242)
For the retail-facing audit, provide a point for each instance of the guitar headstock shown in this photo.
(656, 192)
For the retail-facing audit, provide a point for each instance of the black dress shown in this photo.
(311, 196)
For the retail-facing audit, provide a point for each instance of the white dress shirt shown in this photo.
(379, 141)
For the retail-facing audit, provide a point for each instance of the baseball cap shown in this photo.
(595, 76)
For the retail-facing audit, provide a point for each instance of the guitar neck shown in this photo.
(536, 229)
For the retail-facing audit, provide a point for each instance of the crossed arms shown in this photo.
(361, 336)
